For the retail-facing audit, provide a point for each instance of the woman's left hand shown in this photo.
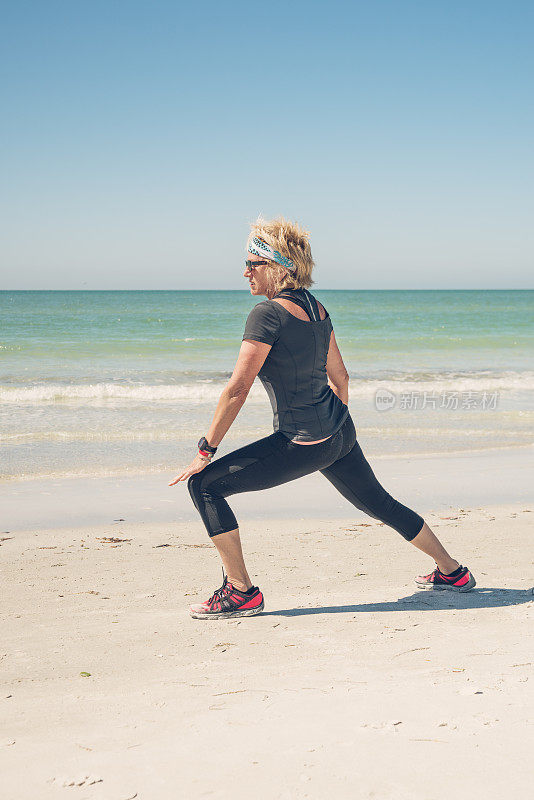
(197, 465)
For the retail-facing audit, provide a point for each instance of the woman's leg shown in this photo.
(429, 543)
(229, 546)
(354, 478)
(263, 464)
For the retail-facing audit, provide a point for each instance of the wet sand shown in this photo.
(431, 482)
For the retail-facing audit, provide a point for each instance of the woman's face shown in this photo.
(257, 276)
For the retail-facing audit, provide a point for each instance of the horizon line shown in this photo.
(320, 289)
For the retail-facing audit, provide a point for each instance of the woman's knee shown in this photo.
(194, 486)
(402, 519)
(202, 491)
(414, 527)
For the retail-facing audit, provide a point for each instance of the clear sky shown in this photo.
(139, 139)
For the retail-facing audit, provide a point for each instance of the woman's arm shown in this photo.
(342, 391)
(228, 407)
(249, 362)
(338, 377)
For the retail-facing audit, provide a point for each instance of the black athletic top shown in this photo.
(305, 408)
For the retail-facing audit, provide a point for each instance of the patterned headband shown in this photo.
(259, 248)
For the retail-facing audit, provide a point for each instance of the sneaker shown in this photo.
(462, 581)
(229, 602)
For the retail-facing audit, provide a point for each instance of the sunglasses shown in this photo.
(251, 265)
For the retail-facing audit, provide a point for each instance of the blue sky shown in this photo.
(139, 139)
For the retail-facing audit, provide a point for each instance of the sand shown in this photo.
(352, 684)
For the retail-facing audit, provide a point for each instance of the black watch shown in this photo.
(203, 445)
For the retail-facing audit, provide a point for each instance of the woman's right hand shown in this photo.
(197, 465)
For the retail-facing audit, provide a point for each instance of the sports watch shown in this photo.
(205, 447)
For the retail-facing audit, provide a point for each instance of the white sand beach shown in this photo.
(352, 683)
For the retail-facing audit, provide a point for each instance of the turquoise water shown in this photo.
(113, 381)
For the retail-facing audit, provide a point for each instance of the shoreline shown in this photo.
(6, 480)
(423, 482)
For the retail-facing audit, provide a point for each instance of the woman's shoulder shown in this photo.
(265, 308)
(263, 323)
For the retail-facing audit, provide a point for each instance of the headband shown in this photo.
(259, 248)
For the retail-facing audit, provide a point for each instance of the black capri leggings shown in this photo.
(276, 459)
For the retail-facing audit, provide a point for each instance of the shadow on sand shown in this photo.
(423, 601)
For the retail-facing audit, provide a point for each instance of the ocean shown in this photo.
(118, 382)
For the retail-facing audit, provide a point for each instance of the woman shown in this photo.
(290, 344)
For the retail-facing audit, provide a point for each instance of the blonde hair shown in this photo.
(293, 242)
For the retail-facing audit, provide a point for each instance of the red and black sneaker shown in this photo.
(229, 602)
(460, 580)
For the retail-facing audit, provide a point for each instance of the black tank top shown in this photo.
(305, 408)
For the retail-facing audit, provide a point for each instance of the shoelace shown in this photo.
(218, 594)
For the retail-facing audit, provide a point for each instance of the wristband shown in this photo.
(205, 447)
